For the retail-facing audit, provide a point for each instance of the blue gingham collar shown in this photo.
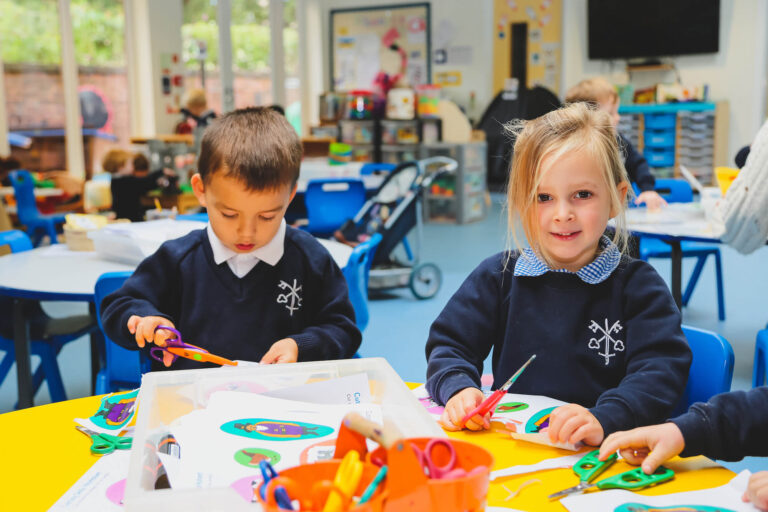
(529, 264)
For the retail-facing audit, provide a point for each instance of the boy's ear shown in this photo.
(293, 192)
(622, 188)
(198, 187)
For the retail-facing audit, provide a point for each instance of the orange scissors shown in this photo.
(178, 348)
(490, 403)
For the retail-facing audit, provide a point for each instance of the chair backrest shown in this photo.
(674, 190)
(24, 190)
(371, 168)
(200, 217)
(123, 367)
(356, 274)
(16, 240)
(711, 370)
(331, 201)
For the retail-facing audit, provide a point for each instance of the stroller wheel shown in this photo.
(425, 280)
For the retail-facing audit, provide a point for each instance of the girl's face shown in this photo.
(573, 206)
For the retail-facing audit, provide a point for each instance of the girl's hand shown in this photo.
(573, 423)
(650, 446)
(282, 351)
(143, 328)
(757, 490)
(459, 406)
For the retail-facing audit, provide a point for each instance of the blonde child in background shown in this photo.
(600, 92)
(604, 327)
(195, 112)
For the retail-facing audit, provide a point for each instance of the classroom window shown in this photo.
(200, 49)
(250, 53)
(291, 63)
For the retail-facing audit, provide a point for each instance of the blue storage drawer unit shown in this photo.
(659, 138)
(660, 121)
(660, 157)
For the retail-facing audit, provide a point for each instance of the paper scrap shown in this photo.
(94, 490)
(557, 463)
(115, 413)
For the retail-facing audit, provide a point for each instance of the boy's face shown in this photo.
(243, 219)
(611, 105)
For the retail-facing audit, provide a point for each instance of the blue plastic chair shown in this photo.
(201, 217)
(48, 335)
(356, 273)
(123, 368)
(761, 359)
(679, 191)
(371, 168)
(37, 224)
(332, 201)
(711, 370)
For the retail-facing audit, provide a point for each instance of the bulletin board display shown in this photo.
(544, 41)
(372, 44)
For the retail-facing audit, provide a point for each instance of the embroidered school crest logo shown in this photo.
(606, 345)
(291, 297)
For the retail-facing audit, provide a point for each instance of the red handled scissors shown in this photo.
(490, 403)
(178, 348)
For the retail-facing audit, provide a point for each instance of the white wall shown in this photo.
(737, 73)
(460, 23)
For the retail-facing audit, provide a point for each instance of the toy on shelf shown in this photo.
(360, 105)
(339, 153)
(401, 103)
(331, 104)
(428, 98)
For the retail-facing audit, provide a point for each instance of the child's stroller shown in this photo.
(394, 211)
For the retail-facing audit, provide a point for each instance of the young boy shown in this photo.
(246, 287)
(729, 427)
(598, 91)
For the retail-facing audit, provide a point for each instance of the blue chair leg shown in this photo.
(6, 364)
(700, 261)
(52, 374)
(720, 293)
(50, 229)
(761, 359)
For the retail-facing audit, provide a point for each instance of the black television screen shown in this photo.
(620, 29)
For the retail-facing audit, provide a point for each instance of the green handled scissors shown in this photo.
(105, 443)
(589, 467)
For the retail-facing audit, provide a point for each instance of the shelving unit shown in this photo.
(670, 135)
(459, 197)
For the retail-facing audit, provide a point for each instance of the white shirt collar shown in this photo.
(242, 263)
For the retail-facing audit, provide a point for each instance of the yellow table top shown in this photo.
(43, 456)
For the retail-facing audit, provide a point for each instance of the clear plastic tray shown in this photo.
(166, 396)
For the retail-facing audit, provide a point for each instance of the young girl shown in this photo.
(603, 326)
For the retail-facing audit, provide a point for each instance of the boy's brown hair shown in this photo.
(592, 90)
(140, 162)
(255, 145)
(114, 160)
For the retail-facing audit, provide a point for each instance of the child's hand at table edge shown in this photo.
(573, 423)
(461, 404)
(757, 490)
(143, 328)
(650, 446)
(285, 350)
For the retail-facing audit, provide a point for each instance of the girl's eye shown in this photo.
(583, 194)
(544, 198)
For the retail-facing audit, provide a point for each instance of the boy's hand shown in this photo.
(573, 423)
(652, 200)
(650, 446)
(282, 351)
(757, 490)
(143, 328)
(459, 405)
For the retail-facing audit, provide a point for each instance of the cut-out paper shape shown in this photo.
(250, 457)
(275, 430)
(511, 407)
(318, 452)
(639, 507)
(539, 421)
(114, 413)
(244, 486)
(116, 492)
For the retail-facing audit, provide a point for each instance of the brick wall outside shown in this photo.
(34, 98)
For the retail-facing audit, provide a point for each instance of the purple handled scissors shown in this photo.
(178, 348)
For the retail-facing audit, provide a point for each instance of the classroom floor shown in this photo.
(399, 323)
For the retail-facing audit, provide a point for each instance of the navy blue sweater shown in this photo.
(239, 318)
(636, 165)
(729, 427)
(562, 320)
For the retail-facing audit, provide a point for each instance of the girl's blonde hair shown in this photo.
(575, 127)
